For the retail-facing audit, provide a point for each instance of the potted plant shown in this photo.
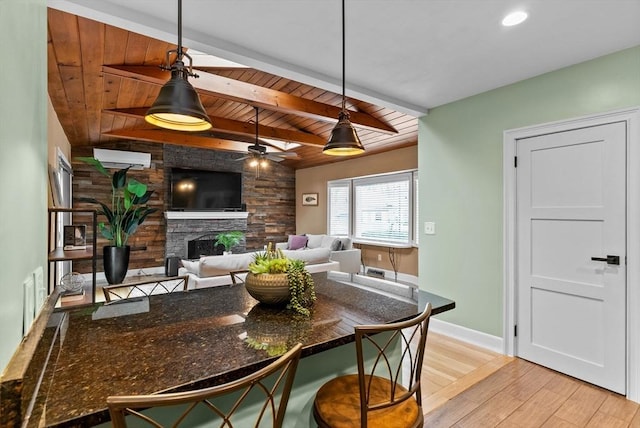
(125, 212)
(275, 279)
(229, 239)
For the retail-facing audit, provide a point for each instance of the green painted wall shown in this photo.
(23, 160)
(460, 173)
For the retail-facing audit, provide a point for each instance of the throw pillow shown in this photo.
(336, 245)
(314, 241)
(327, 241)
(296, 242)
(345, 243)
(191, 266)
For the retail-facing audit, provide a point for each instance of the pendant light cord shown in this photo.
(180, 30)
(343, 61)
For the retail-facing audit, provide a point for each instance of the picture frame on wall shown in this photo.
(310, 199)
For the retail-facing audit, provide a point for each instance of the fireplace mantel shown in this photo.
(205, 215)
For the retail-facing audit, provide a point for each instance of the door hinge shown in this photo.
(515, 330)
(515, 161)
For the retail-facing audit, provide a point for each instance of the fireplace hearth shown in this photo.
(191, 235)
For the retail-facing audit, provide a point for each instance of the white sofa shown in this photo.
(341, 250)
(212, 271)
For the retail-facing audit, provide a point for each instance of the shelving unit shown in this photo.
(58, 254)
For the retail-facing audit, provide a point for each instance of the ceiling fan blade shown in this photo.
(242, 158)
(288, 155)
(274, 158)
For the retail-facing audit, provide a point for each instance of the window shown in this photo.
(339, 207)
(376, 209)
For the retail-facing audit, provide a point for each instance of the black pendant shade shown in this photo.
(344, 140)
(178, 106)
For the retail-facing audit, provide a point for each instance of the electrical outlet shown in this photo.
(379, 257)
(429, 228)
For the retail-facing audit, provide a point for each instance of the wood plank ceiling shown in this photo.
(102, 79)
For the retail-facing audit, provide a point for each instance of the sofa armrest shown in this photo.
(349, 260)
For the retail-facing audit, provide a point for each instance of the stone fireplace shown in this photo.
(200, 229)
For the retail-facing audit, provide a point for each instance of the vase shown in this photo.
(268, 288)
(116, 263)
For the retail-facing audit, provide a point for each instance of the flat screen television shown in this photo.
(200, 190)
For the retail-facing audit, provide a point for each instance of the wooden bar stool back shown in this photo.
(386, 393)
(129, 409)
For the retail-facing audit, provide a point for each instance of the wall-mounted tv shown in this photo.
(200, 190)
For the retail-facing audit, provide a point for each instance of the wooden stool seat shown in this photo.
(385, 393)
(337, 405)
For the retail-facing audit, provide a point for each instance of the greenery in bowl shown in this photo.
(229, 239)
(127, 209)
(301, 288)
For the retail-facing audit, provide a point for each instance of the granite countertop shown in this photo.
(196, 339)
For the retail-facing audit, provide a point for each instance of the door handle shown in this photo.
(611, 260)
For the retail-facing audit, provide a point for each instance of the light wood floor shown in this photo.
(467, 386)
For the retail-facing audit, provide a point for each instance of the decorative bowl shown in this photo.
(268, 288)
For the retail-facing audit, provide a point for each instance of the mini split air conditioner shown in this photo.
(120, 159)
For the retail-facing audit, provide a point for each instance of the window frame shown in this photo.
(411, 176)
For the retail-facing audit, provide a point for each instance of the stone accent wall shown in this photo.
(270, 199)
(179, 232)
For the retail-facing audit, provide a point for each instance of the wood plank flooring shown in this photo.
(467, 386)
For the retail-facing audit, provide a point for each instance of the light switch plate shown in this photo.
(429, 228)
(40, 292)
(28, 306)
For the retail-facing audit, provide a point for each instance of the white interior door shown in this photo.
(571, 208)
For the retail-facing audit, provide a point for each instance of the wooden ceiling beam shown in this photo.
(163, 136)
(237, 127)
(219, 86)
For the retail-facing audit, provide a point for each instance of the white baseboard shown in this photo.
(474, 337)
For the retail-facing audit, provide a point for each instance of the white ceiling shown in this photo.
(409, 55)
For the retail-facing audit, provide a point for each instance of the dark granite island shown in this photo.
(205, 337)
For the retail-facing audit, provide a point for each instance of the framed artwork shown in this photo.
(309, 199)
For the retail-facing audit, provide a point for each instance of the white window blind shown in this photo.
(339, 208)
(382, 208)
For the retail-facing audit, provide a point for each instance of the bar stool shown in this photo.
(276, 397)
(376, 397)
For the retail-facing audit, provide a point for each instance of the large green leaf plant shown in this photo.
(127, 210)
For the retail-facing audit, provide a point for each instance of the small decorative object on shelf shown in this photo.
(72, 283)
(75, 237)
(274, 279)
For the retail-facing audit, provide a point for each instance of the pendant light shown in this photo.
(344, 140)
(178, 106)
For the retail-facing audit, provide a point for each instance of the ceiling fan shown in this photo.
(259, 153)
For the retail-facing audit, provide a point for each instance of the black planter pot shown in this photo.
(116, 263)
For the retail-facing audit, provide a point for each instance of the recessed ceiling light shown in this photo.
(514, 18)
